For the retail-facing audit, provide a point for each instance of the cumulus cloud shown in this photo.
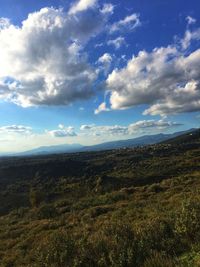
(101, 107)
(15, 129)
(189, 37)
(117, 42)
(42, 62)
(111, 130)
(4, 23)
(166, 79)
(87, 127)
(128, 23)
(190, 20)
(105, 58)
(131, 129)
(63, 131)
(82, 5)
(61, 126)
(108, 8)
(145, 125)
(105, 61)
(105, 130)
(183, 99)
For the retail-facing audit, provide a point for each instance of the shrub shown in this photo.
(123, 248)
(158, 235)
(46, 212)
(156, 188)
(187, 220)
(35, 197)
(115, 245)
(56, 250)
(159, 260)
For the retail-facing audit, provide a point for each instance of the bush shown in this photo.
(158, 235)
(122, 246)
(115, 245)
(187, 220)
(35, 197)
(46, 212)
(159, 260)
(56, 250)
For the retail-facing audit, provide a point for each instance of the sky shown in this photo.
(92, 71)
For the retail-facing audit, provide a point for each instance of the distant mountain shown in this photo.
(139, 141)
(70, 148)
(43, 150)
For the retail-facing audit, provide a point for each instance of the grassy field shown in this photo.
(129, 207)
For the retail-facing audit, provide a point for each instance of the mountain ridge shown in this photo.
(71, 148)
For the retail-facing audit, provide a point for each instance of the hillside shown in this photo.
(190, 137)
(138, 141)
(124, 207)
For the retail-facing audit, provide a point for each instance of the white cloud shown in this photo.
(4, 23)
(101, 107)
(15, 129)
(63, 131)
(108, 8)
(111, 130)
(61, 126)
(99, 45)
(190, 20)
(189, 37)
(82, 5)
(146, 125)
(104, 130)
(43, 63)
(183, 99)
(105, 58)
(166, 79)
(87, 127)
(139, 127)
(117, 43)
(128, 23)
(105, 61)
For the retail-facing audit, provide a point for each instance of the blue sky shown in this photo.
(91, 71)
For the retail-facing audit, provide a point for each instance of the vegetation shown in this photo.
(121, 208)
